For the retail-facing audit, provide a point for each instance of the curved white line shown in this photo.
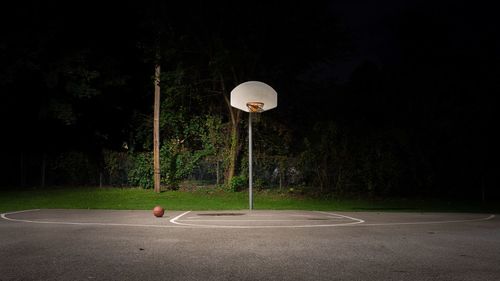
(342, 216)
(262, 226)
(259, 220)
(428, 222)
(174, 220)
(357, 222)
(4, 216)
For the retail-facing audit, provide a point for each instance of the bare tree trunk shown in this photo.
(235, 133)
(156, 130)
(233, 153)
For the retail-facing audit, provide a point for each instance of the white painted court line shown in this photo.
(357, 222)
(313, 217)
(4, 216)
(258, 220)
(342, 216)
(414, 223)
(428, 222)
(175, 221)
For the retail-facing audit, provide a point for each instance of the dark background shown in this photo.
(377, 98)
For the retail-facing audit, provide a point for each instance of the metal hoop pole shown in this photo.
(250, 191)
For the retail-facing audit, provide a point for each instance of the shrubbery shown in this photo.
(237, 183)
(141, 174)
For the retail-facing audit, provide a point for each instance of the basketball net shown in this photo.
(255, 106)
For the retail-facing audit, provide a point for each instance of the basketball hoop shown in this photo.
(253, 97)
(255, 106)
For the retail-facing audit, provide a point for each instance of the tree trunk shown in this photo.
(156, 131)
(235, 133)
(234, 149)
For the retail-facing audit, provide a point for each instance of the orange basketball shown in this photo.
(158, 211)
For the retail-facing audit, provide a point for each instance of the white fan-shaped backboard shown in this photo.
(254, 91)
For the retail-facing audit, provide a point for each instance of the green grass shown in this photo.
(209, 199)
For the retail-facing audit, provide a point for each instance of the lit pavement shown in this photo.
(243, 245)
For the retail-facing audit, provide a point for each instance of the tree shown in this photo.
(156, 130)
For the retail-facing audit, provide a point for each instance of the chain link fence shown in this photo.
(113, 168)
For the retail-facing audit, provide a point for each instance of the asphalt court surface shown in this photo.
(52, 244)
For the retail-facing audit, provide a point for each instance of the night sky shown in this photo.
(416, 81)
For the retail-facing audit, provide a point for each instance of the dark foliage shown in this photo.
(420, 119)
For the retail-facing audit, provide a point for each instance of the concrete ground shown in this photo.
(248, 245)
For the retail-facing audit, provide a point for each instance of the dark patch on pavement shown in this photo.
(221, 214)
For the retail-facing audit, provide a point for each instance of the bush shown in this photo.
(177, 163)
(117, 166)
(237, 183)
(142, 172)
